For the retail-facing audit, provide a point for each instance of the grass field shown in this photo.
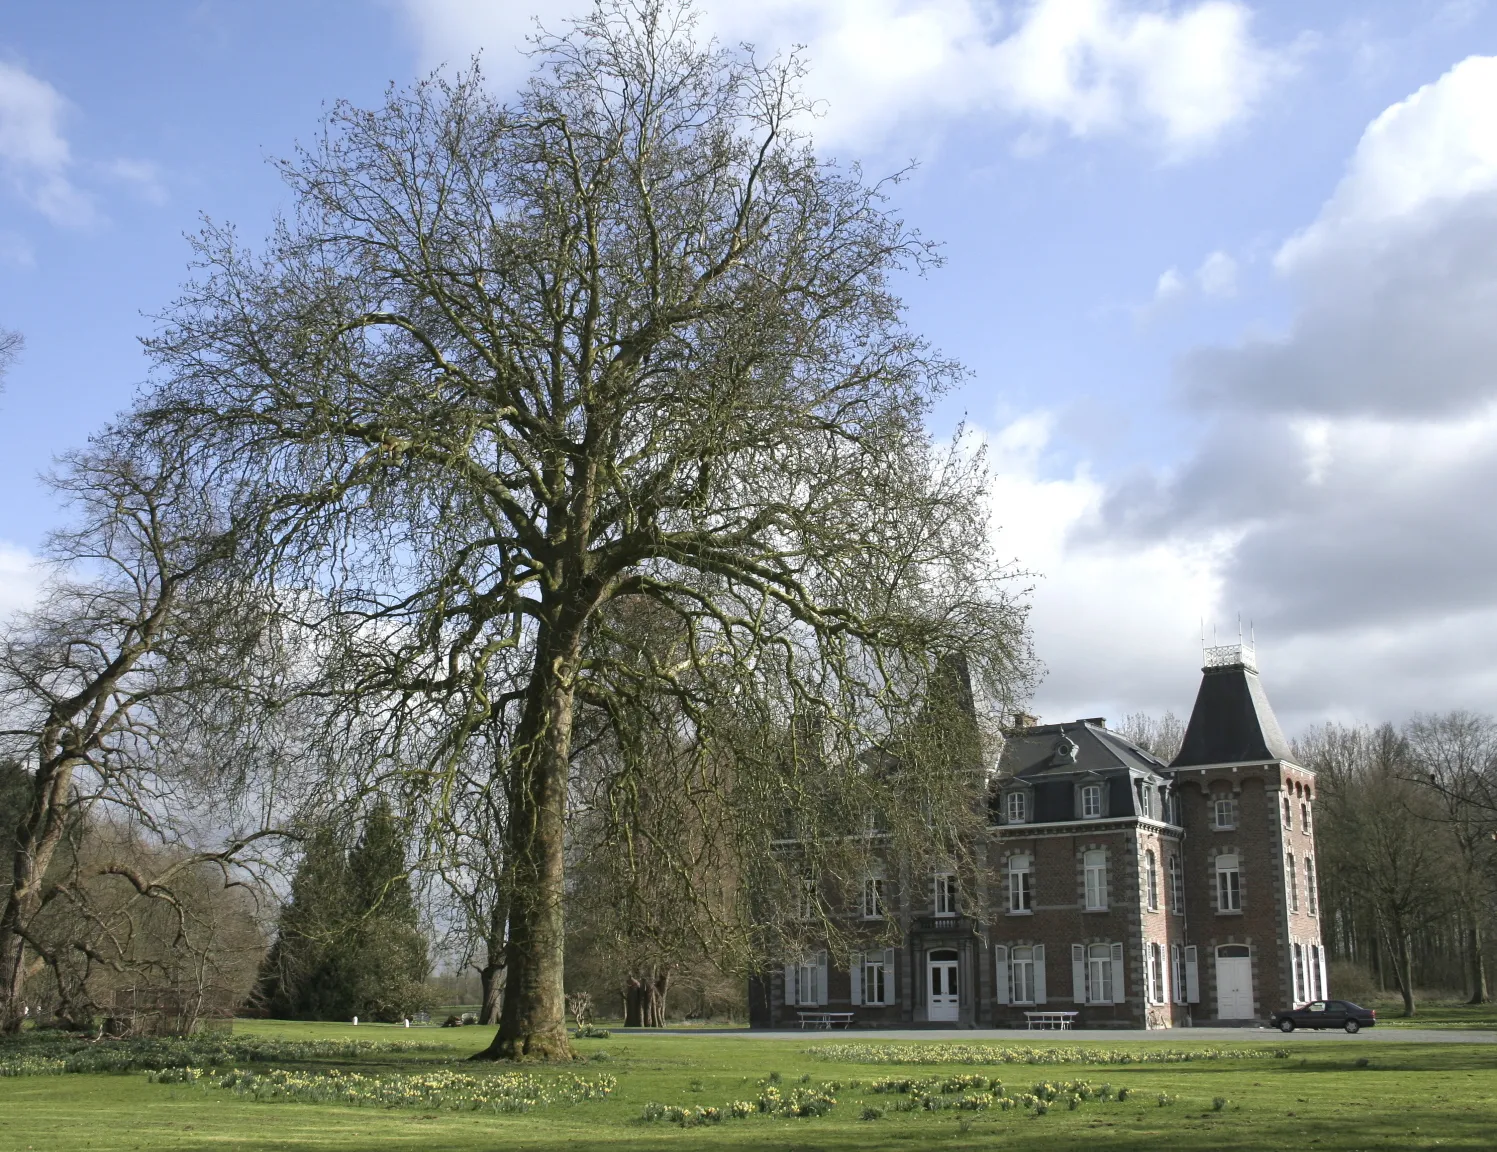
(1402, 1095)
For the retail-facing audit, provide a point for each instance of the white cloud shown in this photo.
(1419, 157)
(34, 154)
(1169, 285)
(1116, 621)
(1217, 275)
(1180, 74)
(141, 175)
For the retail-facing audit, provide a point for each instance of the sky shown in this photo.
(1224, 276)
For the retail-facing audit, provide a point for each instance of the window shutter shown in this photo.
(1002, 994)
(1325, 989)
(1176, 985)
(1039, 974)
(855, 966)
(790, 984)
(1118, 996)
(890, 995)
(1078, 973)
(821, 978)
(1192, 976)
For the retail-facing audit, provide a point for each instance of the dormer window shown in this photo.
(1145, 800)
(1091, 801)
(1018, 807)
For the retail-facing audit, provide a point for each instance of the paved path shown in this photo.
(1089, 1036)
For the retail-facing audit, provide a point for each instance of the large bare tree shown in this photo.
(623, 338)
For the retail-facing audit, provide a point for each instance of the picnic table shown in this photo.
(825, 1019)
(1055, 1020)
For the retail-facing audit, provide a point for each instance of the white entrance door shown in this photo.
(941, 967)
(1234, 983)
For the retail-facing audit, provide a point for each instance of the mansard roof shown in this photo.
(1232, 722)
(1079, 747)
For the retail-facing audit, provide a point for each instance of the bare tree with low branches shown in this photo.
(107, 695)
(624, 338)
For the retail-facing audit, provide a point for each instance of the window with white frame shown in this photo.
(873, 897)
(807, 898)
(878, 977)
(1018, 807)
(810, 980)
(945, 894)
(1099, 974)
(1151, 880)
(1317, 985)
(1293, 876)
(1223, 811)
(1297, 959)
(1094, 871)
(1091, 801)
(1145, 800)
(1304, 816)
(1021, 975)
(1177, 970)
(1020, 885)
(1310, 899)
(1177, 885)
(1156, 974)
(1228, 883)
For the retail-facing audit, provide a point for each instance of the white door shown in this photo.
(941, 980)
(1234, 983)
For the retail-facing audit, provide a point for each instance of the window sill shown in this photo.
(1021, 911)
(1229, 912)
(1224, 827)
(1103, 908)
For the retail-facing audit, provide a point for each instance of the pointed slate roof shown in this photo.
(1232, 721)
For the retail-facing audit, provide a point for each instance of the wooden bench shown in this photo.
(1052, 1020)
(825, 1019)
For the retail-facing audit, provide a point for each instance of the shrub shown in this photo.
(871, 1113)
(1218, 1103)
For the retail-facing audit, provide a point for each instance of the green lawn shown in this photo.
(1435, 1012)
(1407, 1096)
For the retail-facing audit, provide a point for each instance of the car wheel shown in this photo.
(1286, 1025)
(1353, 1026)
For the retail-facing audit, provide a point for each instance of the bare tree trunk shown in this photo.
(644, 998)
(36, 841)
(532, 1021)
(490, 975)
(1401, 956)
(1477, 961)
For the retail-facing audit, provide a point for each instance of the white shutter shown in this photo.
(1078, 973)
(1000, 989)
(1039, 974)
(1325, 989)
(790, 984)
(890, 995)
(821, 978)
(855, 966)
(1192, 975)
(1118, 996)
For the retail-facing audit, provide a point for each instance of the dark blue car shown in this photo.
(1326, 1014)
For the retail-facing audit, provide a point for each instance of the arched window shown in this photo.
(1156, 974)
(1177, 885)
(1151, 878)
(1099, 983)
(1310, 900)
(1293, 882)
(1094, 867)
(1223, 811)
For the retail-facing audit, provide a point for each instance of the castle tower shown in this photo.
(1247, 810)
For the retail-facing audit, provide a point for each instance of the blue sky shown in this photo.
(1222, 272)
